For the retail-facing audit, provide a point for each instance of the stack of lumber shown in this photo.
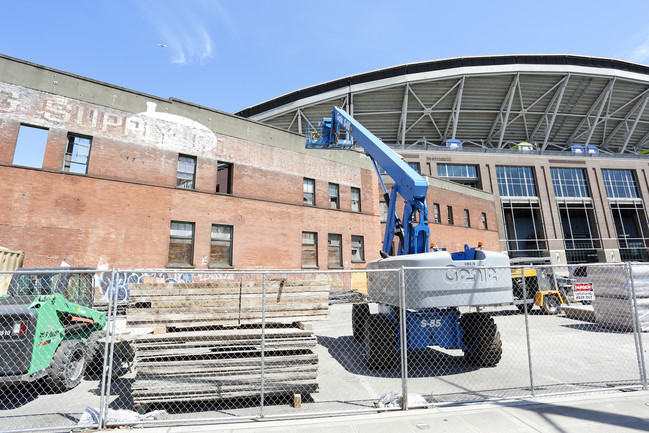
(226, 303)
(209, 344)
(612, 305)
(225, 363)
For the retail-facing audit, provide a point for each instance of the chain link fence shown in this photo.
(88, 348)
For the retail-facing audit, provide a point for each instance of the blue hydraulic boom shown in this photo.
(413, 232)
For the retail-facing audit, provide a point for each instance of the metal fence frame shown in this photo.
(109, 353)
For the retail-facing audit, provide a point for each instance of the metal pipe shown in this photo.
(103, 392)
(527, 331)
(263, 342)
(637, 330)
(404, 339)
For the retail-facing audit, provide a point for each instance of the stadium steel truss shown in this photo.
(494, 102)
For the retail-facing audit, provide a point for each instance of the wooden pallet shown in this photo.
(224, 363)
(226, 303)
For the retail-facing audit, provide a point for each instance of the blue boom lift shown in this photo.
(437, 282)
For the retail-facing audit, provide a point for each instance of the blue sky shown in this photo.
(229, 55)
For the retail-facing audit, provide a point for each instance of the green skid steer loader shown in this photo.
(48, 328)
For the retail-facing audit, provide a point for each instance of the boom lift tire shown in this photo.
(551, 304)
(68, 365)
(360, 313)
(518, 294)
(380, 341)
(481, 339)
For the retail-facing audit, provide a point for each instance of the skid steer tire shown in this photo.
(68, 366)
(360, 313)
(481, 340)
(380, 341)
(551, 304)
(95, 354)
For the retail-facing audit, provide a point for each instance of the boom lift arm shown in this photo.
(414, 233)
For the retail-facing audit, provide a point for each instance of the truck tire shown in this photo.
(68, 365)
(551, 304)
(95, 354)
(380, 341)
(518, 294)
(360, 313)
(481, 339)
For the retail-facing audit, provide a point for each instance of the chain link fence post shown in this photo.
(637, 330)
(263, 343)
(527, 331)
(106, 366)
(404, 339)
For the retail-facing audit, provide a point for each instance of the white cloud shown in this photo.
(639, 53)
(187, 28)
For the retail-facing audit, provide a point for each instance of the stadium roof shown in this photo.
(552, 101)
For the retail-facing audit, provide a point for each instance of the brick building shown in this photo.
(91, 170)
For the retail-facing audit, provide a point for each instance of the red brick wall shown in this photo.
(122, 209)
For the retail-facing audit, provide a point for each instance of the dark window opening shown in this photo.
(224, 178)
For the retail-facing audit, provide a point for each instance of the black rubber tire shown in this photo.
(360, 313)
(551, 305)
(481, 339)
(380, 341)
(95, 354)
(530, 286)
(68, 365)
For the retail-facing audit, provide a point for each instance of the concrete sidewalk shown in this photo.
(607, 413)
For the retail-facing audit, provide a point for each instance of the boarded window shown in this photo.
(335, 252)
(308, 190)
(356, 199)
(224, 178)
(334, 200)
(77, 154)
(221, 247)
(383, 209)
(186, 174)
(181, 244)
(309, 250)
(358, 253)
(30, 147)
(436, 216)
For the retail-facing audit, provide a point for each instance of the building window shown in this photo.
(516, 181)
(449, 213)
(569, 182)
(181, 244)
(414, 166)
(186, 171)
(484, 221)
(30, 146)
(309, 250)
(436, 216)
(356, 199)
(467, 218)
(224, 177)
(620, 184)
(335, 252)
(77, 154)
(464, 174)
(383, 210)
(221, 247)
(308, 191)
(358, 253)
(334, 199)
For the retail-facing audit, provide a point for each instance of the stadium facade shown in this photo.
(557, 140)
